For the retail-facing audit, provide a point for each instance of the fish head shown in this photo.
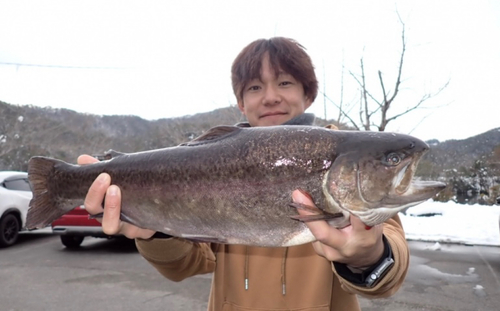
(373, 176)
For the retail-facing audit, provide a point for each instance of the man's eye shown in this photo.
(393, 159)
(253, 88)
(285, 83)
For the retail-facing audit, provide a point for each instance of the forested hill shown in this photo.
(26, 131)
(478, 152)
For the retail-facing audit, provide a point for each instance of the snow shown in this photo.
(452, 223)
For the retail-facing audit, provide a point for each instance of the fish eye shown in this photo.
(393, 159)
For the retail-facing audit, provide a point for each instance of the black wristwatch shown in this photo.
(378, 273)
(370, 276)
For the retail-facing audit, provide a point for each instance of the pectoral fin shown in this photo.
(319, 214)
(305, 207)
(309, 218)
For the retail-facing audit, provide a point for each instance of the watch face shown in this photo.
(379, 272)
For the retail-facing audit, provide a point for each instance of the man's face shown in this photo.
(273, 100)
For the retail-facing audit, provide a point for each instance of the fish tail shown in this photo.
(43, 206)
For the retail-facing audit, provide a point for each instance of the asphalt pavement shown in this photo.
(38, 273)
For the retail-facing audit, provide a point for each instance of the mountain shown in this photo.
(26, 131)
(470, 167)
(466, 153)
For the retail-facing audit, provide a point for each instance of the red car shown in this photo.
(75, 225)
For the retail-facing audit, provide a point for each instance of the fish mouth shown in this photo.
(405, 190)
(402, 181)
(417, 192)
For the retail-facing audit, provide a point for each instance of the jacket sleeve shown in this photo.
(177, 259)
(392, 281)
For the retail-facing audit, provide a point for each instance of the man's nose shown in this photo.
(271, 96)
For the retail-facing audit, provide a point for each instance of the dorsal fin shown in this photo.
(213, 134)
(110, 154)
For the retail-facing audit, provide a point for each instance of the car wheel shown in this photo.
(9, 230)
(71, 241)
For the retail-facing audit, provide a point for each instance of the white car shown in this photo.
(15, 196)
(498, 202)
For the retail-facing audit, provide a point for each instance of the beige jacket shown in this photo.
(255, 278)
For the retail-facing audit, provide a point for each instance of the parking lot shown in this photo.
(38, 273)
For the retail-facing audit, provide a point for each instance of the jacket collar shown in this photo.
(303, 119)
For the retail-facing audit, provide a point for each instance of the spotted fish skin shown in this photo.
(233, 185)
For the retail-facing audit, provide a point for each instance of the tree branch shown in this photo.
(341, 111)
(424, 98)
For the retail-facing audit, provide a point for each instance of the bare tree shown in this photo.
(374, 113)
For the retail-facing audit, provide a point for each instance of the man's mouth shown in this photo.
(270, 114)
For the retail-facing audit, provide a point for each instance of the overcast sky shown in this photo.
(160, 59)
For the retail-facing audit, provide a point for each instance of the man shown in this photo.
(274, 83)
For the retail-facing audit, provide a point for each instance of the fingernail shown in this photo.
(367, 227)
(112, 190)
(102, 178)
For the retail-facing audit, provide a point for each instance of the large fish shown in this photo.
(233, 185)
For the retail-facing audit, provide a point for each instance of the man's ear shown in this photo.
(308, 103)
(241, 106)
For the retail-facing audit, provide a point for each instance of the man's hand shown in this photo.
(111, 223)
(355, 245)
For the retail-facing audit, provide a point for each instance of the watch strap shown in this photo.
(371, 275)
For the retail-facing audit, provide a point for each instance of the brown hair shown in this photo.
(284, 54)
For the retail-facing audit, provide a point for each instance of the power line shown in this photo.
(58, 66)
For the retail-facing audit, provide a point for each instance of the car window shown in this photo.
(17, 183)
